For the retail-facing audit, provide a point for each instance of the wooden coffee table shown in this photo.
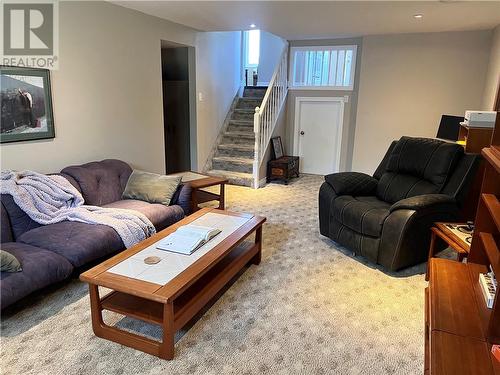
(173, 291)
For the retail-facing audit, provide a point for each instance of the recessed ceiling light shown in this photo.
(418, 16)
(252, 25)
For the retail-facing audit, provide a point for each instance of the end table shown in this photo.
(455, 235)
(198, 182)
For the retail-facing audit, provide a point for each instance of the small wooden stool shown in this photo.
(458, 244)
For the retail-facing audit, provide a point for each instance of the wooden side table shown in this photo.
(444, 233)
(199, 196)
(198, 182)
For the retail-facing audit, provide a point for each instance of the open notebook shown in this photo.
(187, 239)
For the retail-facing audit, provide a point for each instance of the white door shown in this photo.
(318, 134)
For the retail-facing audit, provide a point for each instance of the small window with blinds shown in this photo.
(325, 67)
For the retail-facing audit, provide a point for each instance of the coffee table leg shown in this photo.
(222, 196)
(258, 240)
(96, 310)
(167, 345)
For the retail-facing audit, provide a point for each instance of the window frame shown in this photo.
(246, 43)
(351, 47)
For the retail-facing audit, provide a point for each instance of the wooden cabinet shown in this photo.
(459, 328)
(474, 139)
(283, 168)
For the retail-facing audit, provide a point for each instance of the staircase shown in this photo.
(241, 146)
(234, 156)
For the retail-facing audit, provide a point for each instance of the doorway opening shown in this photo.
(251, 55)
(179, 111)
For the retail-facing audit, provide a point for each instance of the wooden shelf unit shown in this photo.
(475, 138)
(459, 328)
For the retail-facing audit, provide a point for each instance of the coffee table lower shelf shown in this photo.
(173, 315)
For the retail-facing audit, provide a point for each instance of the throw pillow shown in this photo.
(8, 262)
(151, 187)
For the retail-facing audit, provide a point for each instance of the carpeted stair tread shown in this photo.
(254, 91)
(235, 178)
(236, 146)
(239, 122)
(249, 135)
(248, 103)
(244, 110)
(231, 159)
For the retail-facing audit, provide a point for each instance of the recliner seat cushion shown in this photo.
(79, 243)
(100, 182)
(40, 268)
(417, 166)
(361, 244)
(160, 215)
(363, 215)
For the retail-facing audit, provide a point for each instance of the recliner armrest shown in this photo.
(352, 183)
(422, 201)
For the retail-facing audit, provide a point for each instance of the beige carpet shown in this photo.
(309, 308)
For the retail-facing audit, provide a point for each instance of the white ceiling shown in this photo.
(325, 19)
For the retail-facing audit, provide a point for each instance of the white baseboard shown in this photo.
(262, 182)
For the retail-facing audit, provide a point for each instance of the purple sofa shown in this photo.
(49, 253)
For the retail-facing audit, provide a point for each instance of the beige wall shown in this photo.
(107, 92)
(349, 124)
(408, 81)
(493, 75)
(271, 47)
(218, 61)
(108, 96)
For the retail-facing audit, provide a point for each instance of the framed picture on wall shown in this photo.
(277, 147)
(26, 104)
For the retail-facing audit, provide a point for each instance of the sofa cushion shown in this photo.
(8, 262)
(160, 215)
(6, 233)
(20, 222)
(40, 269)
(151, 187)
(364, 215)
(417, 166)
(79, 243)
(182, 197)
(100, 182)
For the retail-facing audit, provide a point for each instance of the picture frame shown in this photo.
(25, 104)
(277, 147)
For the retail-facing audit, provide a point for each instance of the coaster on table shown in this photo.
(152, 260)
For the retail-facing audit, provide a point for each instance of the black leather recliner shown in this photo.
(387, 218)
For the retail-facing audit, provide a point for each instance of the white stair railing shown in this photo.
(266, 116)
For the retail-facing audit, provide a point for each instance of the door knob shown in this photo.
(302, 132)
